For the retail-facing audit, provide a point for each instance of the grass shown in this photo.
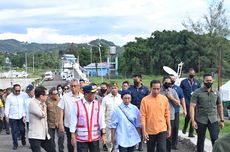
(224, 131)
(145, 79)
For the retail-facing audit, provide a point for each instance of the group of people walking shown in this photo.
(122, 119)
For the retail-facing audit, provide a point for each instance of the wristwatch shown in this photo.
(221, 120)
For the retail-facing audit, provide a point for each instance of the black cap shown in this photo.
(124, 92)
(89, 88)
(29, 88)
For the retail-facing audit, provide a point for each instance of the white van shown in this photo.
(48, 76)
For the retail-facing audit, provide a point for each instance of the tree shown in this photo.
(215, 23)
(215, 27)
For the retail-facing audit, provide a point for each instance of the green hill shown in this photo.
(12, 45)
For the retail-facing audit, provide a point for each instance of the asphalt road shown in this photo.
(56, 81)
(6, 140)
(6, 145)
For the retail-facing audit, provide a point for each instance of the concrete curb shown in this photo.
(191, 142)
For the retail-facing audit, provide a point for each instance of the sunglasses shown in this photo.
(66, 89)
(74, 86)
(167, 83)
(17, 90)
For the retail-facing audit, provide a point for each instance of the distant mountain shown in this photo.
(12, 45)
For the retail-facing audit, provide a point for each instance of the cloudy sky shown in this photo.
(120, 21)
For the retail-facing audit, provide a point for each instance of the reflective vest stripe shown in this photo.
(98, 112)
(79, 139)
(85, 133)
(87, 119)
(78, 114)
(91, 121)
(85, 129)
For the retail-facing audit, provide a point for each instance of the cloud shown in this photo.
(78, 21)
(45, 35)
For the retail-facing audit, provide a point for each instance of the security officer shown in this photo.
(204, 107)
(188, 86)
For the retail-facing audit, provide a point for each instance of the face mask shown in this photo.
(103, 91)
(166, 85)
(208, 85)
(191, 76)
(60, 90)
(135, 83)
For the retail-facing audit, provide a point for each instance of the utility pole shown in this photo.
(91, 52)
(99, 48)
(26, 62)
(220, 62)
(33, 63)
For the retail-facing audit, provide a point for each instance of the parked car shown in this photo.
(48, 76)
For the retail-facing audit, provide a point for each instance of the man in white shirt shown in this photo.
(29, 96)
(109, 102)
(66, 104)
(15, 113)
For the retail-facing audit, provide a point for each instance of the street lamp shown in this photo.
(91, 52)
(11, 78)
(33, 62)
(99, 49)
(26, 62)
(91, 55)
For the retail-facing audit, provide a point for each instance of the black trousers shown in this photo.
(126, 149)
(27, 126)
(6, 125)
(186, 121)
(159, 141)
(175, 129)
(213, 129)
(169, 139)
(61, 137)
(88, 146)
(1, 125)
(68, 135)
(17, 125)
(36, 145)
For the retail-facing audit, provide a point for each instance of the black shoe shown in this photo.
(7, 132)
(140, 149)
(140, 146)
(183, 131)
(191, 135)
(15, 147)
(174, 147)
(105, 147)
(23, 142)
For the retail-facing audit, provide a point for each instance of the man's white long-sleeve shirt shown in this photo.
(108, 104)
(67, 103)
(88, 105)
(14, 106)
(27, 100)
